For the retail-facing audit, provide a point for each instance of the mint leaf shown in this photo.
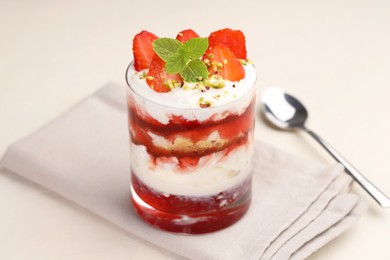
(196, 47)
(164, 47)
(176, 62)
(195, 71)
(183, 58)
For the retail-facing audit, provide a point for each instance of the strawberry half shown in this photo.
(223, 62)
(233, 39)
(143, 50)
(185, 35)
(158, 79)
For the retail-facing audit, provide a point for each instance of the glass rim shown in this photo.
(251, 89)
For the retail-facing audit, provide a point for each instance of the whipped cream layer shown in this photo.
(233, 98)
(214, 173)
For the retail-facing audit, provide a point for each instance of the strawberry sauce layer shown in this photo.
(232, 131)
(193, 215)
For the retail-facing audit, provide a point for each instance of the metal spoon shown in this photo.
(286, 112)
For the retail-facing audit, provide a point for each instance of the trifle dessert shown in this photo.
(191, 107)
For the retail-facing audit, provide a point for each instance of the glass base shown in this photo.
(194, 221)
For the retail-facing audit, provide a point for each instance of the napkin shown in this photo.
(297, 206)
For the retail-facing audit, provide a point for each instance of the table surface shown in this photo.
(334, 55)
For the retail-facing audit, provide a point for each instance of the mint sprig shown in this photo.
(183, 58)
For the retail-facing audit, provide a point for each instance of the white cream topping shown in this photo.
(185, 101)
(214, 173)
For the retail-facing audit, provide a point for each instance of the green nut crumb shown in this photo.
(204, 103)
(143, 75)
(171, 84)
(215, 82)
(245, 62)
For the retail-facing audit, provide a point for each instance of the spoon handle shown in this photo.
(375, 193)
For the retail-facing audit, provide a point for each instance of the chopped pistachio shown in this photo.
(204, 103)
(143, 75)
(216, 66)
(214, 82)
(177, 84)
(170, 83)
(245, 62)
(201, 87)
(219, 84)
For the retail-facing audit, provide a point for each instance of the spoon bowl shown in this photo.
(286, 112)
(283, 110)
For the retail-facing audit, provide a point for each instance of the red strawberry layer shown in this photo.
(233, 131)
(176, 204)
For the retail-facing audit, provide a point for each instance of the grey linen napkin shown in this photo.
(297, 206)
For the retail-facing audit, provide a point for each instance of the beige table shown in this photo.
(334, 55)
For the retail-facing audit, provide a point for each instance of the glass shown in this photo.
(192, 173)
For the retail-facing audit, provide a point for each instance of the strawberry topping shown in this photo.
(223, 62)
(233, 39)
(158, 79)
(225, 49)
(143, 50)
(185, 35)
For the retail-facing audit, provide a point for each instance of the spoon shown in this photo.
(286, 112)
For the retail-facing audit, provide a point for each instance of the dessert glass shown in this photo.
(190, 167)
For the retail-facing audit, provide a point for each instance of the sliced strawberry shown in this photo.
(233, 39)
(185, 35)
(158, 79)
(223, 62)
(143, 50)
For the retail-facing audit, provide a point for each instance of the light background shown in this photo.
(334, 55)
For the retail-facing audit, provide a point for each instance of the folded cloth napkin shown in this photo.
(297, 206)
